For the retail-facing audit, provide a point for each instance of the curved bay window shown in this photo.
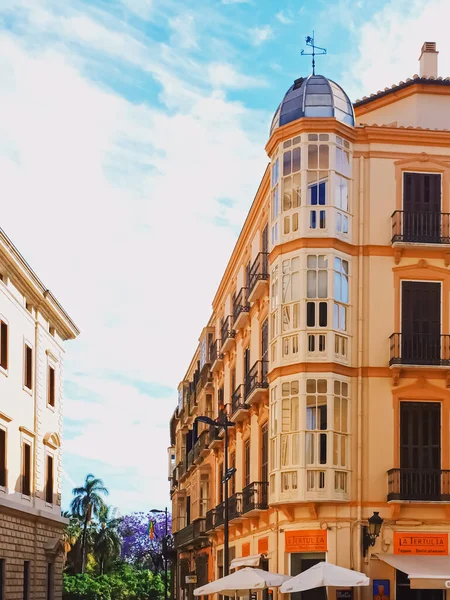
(309, 447)
(310, 183)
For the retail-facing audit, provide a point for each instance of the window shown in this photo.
(316, 421)
(340, 423)
(204, 495)
(49, 481)
(220, 481)
(26, 469)
(28, 373)
(49, 581)
(343, 157)
(265, 453)
(51, 386)
(247, 463)
(291, 185)
(317, 287)
(317, 276)
(26, 580)
(2, 578)
(233, 478)
(341, 202)
(3, 345)
(2, 458)
(289, 442)
(341, 295)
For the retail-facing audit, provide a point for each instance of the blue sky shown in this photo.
(132, 137)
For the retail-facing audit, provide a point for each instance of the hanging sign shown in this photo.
(420, 543)
(191, 578)
(344, 594)
(305, 540)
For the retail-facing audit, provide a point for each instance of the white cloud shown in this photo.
(389, 44)
(125, 198)
(183, 27)
(285, 17)
(259, 35)
(141, 8)
(223, 75)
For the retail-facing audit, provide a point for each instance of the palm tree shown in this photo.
(107, 541)
(88, 501)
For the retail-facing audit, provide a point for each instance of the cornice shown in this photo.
(308, 124)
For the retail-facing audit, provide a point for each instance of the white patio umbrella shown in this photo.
(324, 574)
(240, 582)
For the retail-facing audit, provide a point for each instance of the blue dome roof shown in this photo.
(314, 96)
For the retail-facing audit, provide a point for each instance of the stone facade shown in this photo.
(33, 330)
(27, 538)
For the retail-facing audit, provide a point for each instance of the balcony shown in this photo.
(258, 277)
(219, 515)
(420, 227)
(241, 309)
(418, 485)
(181, 468)
(190, 459)
(235, 506)
(201, 447)
(193, 534)
(214, 439)
(419, 349)
(204, 381)
(228, 334)
(216, 355)
(239, 408)
(210, 519)
(256, 384)
(255, 498)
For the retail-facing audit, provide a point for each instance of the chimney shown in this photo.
(429, 60)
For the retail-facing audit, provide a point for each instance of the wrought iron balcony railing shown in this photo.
(257, 377)
(181, 468)
(419, 349)
(421, 227)
(422, 485)
(210, 519)
(238, 400)
(192, 533)
(235, 506)
(240, 304)
(259, 272)
(219, 515)
(255, 496)
(227, 331)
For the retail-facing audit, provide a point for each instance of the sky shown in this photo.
(132, 138)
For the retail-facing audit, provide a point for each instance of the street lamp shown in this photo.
(371, 532)
(164, 512)
(228, 474)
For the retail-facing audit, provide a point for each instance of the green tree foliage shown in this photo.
(88, 502)
(125, 583)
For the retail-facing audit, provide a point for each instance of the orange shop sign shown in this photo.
(420, 543)
(305, 540)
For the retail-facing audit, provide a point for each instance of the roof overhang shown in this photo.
(424, 572)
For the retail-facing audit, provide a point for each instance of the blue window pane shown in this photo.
(312, 223)
(314, 195)
(322, 193)
(322, 219)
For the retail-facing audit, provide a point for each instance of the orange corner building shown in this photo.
(329, 348)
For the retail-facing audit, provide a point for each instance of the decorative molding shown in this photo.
(50, 354)
(397, 255)
(5, 417)
(395, 377)
(313, 512)
(27, 431)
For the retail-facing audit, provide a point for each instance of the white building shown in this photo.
(33, 327)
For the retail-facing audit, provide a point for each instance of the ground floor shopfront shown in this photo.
(31, 555)
(294, 546)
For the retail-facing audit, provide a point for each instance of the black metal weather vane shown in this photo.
(316, 50)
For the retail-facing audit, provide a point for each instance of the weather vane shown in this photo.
(315, 50)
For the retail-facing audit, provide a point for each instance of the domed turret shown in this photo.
(314, 96)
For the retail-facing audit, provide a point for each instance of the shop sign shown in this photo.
(420, 543)
(263, 545)
(306, 540)
(344, 594)
(191, 578)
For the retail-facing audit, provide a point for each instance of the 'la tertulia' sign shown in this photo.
(305, 540)
(420, 543)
